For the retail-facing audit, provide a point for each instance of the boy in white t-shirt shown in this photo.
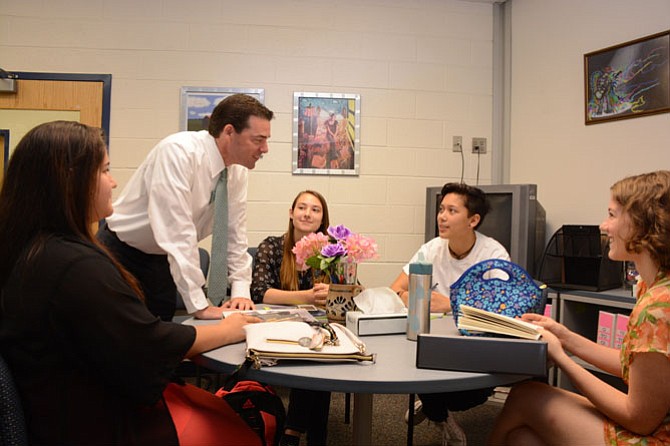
(458, 247)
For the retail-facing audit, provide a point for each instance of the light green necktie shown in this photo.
(218, 270)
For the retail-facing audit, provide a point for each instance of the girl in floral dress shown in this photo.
(638, 227)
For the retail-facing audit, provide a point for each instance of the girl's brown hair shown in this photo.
(50, 187)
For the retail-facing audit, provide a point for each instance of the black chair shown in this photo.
(12, 423)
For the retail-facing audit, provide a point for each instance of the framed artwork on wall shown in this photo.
(628, 80)
(197, 104)
(326, 133)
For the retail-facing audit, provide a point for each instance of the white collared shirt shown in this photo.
(167, 208)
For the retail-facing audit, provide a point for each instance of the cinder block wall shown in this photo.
(422, 68)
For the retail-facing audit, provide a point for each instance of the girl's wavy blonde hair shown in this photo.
(645, 199)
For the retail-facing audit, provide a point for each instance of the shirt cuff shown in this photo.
(197, 302)
(240, 289)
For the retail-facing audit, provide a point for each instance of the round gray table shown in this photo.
(393, 372)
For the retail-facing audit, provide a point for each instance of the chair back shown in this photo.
(12, 422)
(204, 261)
(252, 250)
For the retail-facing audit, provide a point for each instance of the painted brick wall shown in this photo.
(422, 68)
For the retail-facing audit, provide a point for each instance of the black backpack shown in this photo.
(258, 405)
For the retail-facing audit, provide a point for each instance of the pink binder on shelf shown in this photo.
(621, 326)
(605, 328)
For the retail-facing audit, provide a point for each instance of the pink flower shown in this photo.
(324, 253)
(359, 248)
(309, 246)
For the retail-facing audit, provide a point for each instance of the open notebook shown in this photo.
(475, 319)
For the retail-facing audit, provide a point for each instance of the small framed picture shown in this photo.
(628, 80)
(197, 104)
(326, 133)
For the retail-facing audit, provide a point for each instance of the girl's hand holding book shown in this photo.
(558, 330)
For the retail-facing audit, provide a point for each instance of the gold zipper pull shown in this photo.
(302, 342)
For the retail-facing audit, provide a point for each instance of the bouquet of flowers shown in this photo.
(336, 255)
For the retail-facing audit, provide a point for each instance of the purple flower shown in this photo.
(339, 232)
(333, 250)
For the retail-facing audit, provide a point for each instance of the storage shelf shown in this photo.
(578, 311)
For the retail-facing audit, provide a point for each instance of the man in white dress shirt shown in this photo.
(167, 208)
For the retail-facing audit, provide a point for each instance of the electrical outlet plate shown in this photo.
(479, 145)
(457, 144)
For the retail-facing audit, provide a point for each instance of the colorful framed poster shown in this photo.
(628, 80)
(326, 133)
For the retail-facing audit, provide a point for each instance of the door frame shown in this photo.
(4, 133)
(106, 80)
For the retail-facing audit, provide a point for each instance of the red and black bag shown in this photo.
(201, 418)
(259, 406)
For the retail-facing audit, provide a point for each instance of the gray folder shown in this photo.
(481, 354)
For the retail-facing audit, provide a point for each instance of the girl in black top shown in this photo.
(276, 280)
(88, 358)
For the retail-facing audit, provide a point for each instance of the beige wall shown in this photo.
(574, 164)
(422, 68)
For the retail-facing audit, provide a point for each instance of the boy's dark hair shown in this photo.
(235, 110)
(474, 198)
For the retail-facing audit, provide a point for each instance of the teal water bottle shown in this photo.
(420, 288)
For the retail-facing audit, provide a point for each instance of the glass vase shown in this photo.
(319, 276)
(344, 273)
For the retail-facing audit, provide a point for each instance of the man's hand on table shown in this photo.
(209, 312)
(238, 303)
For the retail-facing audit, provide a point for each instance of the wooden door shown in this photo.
(43, 97)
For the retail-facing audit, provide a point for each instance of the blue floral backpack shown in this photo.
(508, 289)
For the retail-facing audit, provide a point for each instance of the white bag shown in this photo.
(269, 342)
